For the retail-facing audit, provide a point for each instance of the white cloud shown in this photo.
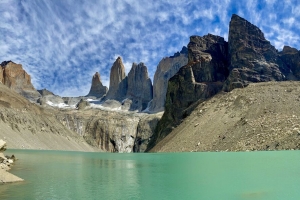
(63, 43)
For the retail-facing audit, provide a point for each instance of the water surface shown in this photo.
(81, 175)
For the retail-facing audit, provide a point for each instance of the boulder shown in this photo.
(97, 88)
(166, 68)
(82, 104)
(2, 145)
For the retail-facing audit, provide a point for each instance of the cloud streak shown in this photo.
(61, 44)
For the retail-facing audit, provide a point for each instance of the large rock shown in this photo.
(45, 92)
(97, 88)
(2, 145)
(166, 68)
(291, 57)
(140, 89)
(252, 57)
(117, 74)
(16, 78)
(200, 79)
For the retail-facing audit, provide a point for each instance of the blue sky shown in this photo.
(61, 44)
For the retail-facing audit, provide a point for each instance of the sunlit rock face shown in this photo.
(117, 75)
(17, 79)
(97, 88)
(166, 68)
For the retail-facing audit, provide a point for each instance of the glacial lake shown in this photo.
(213, 176)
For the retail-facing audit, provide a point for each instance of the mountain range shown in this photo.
(208, 66)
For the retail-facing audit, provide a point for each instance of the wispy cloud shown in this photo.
(63, 43)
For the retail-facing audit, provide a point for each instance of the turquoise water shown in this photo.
(79, 175)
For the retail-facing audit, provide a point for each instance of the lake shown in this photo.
(207, 175)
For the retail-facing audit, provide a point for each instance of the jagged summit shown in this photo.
(97, 88)
(117, 74)
(215, 65)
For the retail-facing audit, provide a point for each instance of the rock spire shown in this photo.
(97, 88)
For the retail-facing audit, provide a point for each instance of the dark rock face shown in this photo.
(140, 88)
(215, 65)
(166, 68)
(16, 78)
(291, 57)
(200, 79)
(97, 88)
(252, 57)
(117, 74)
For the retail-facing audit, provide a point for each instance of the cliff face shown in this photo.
(97, 88)
(201, 78)
(117, 74)
(112, 131)
(140, 89)
(252, 57)
(291, 57)
(215, 65)
(17, 79)
(166, 69)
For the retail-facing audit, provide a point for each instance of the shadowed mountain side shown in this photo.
(261, 116)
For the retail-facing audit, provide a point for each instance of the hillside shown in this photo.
(27, 126)
(262, 116)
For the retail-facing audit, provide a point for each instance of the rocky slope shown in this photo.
(24, 125)
(261, 116)
(97, 89)
(166, 69)
(215, 65)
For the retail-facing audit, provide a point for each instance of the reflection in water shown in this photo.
(77, 175)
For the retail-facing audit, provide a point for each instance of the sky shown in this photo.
(62, 43)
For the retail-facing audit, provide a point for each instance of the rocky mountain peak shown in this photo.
(139, 86)
(117, 74)
(15, 77)
(252, 57)
(97, 88)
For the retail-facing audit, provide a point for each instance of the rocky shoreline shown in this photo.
(6, 163)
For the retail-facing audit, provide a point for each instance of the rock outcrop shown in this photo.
(200, 79)
(16, 78)
(97, 89)
(252, 57)
(117, 76)
(5, 165)
(166, 69)
(140, 89)
(291, 57)
(82, 104)
(45, 92)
